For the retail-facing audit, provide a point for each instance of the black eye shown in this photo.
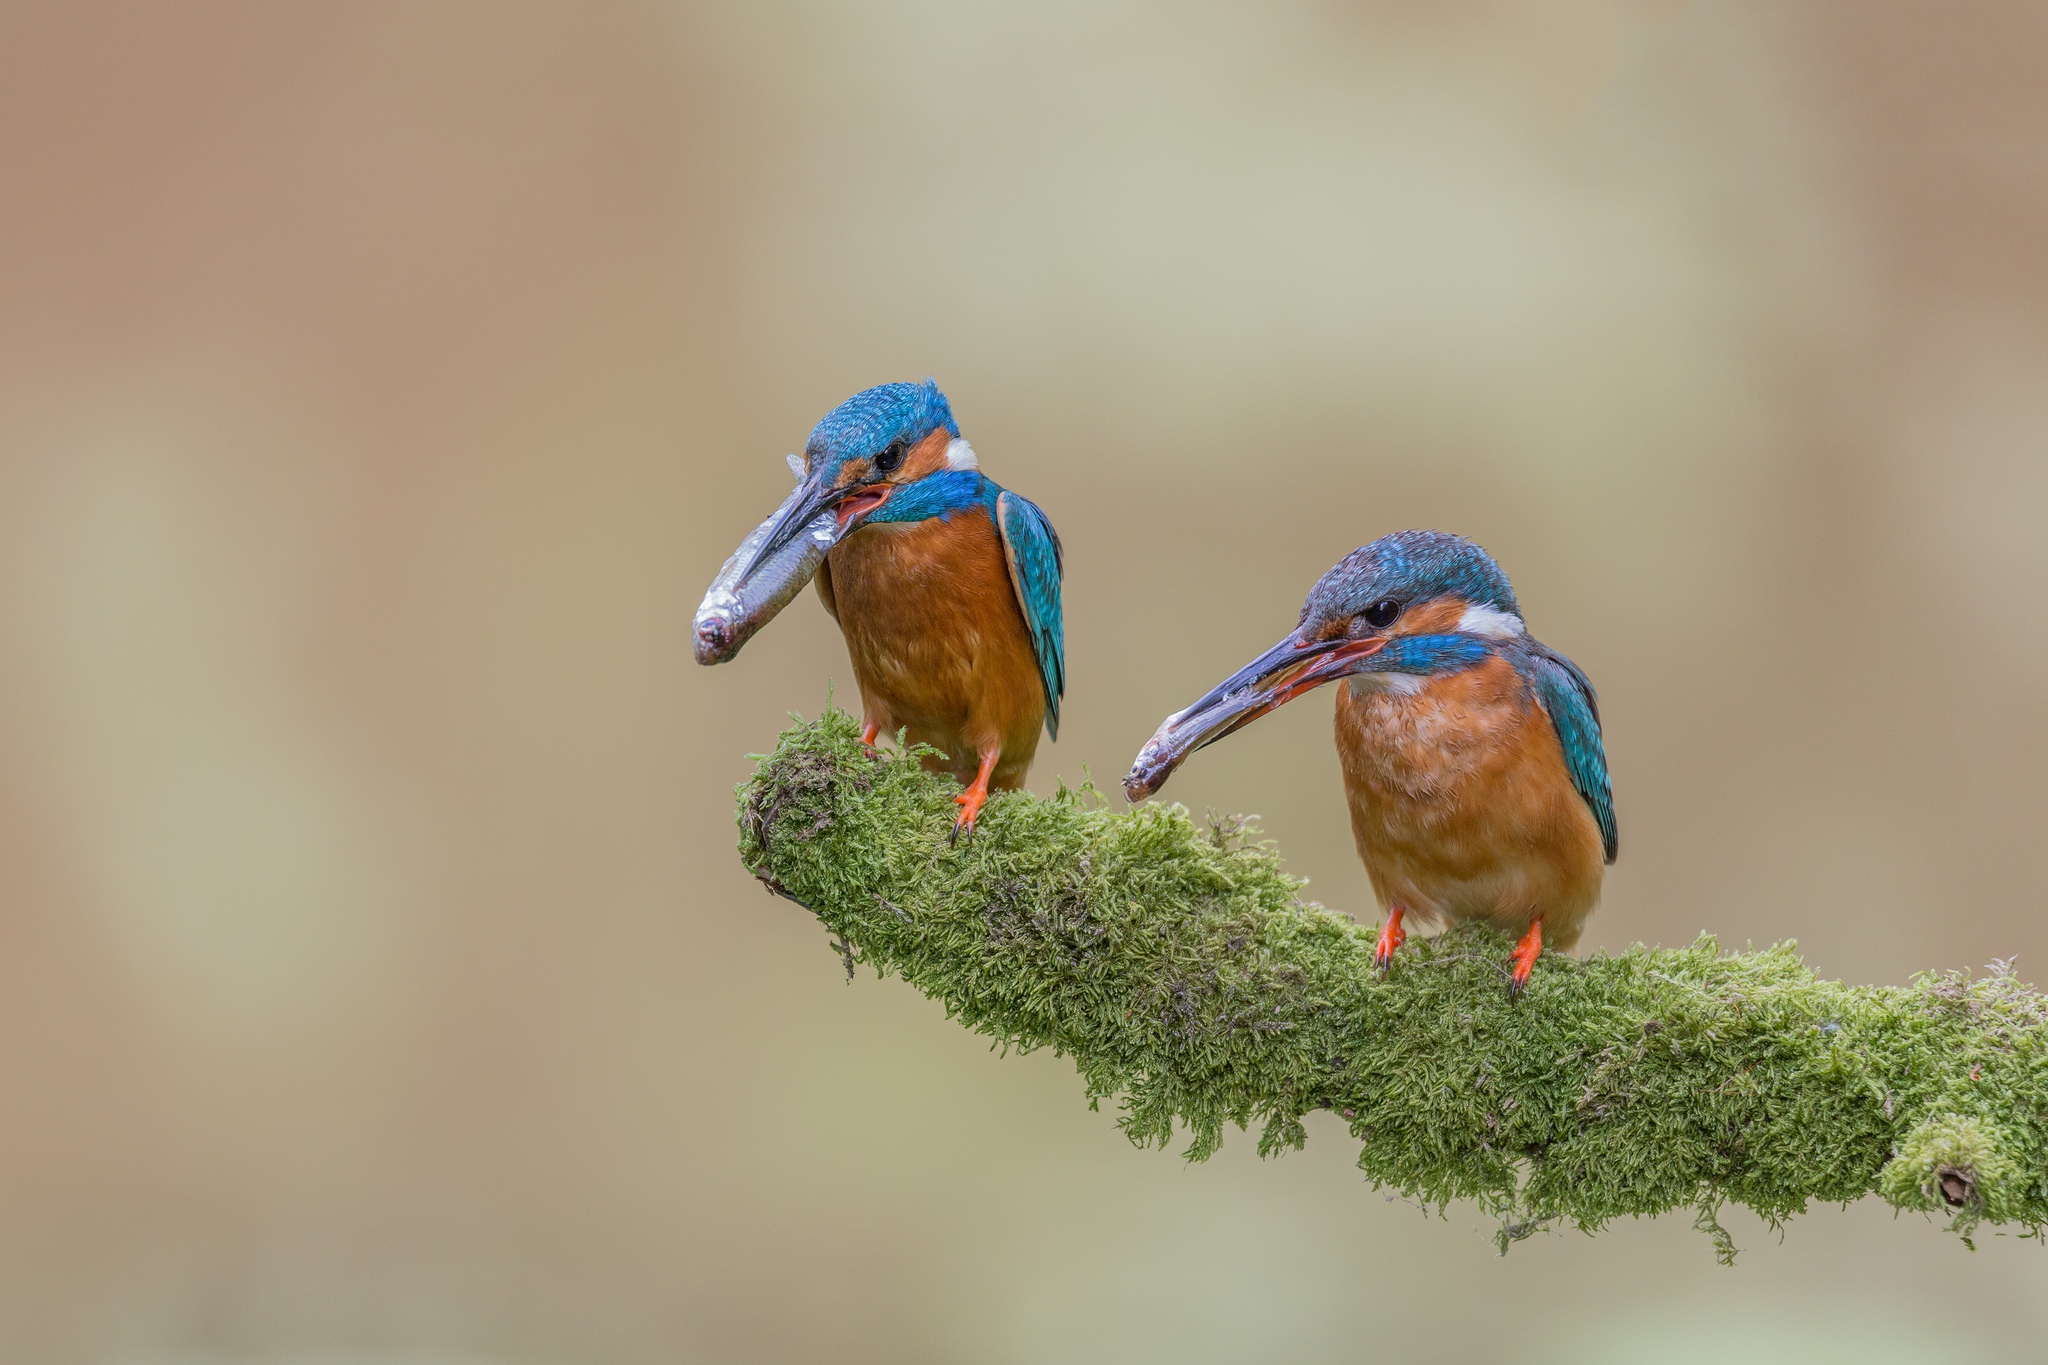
(889, 460)
(1381, 614)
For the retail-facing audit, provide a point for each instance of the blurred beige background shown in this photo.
(380, 385)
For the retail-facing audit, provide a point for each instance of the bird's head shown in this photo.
(1412, 583)
(875, 443)
(866, 451)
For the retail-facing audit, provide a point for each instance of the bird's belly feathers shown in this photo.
(937, 639)
(1461, 804)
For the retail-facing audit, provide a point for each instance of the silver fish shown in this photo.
(1295, 666)
(751, 588)
(1172, 743)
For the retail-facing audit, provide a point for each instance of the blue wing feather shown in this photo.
(1567, 694)
(1032, 548)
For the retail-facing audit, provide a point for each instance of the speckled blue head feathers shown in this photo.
(1406, 568)
(873, 420)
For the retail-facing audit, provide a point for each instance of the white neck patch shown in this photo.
(960, 455)
(1490, 622)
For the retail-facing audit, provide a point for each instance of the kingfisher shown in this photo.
(945, 584)
(1472, 754)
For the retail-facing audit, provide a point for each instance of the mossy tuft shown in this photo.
(1176, 963)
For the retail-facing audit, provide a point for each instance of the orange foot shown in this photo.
(1392, 936)
(973, 799)
(1526, 952)
(867, 737)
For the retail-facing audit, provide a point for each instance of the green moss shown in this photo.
(1179, 968)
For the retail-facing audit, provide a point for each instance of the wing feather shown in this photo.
(1032, 549)
(1574, 708)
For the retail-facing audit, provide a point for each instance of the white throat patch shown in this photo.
(1400, 684)
(1490, 622)
(960, 455)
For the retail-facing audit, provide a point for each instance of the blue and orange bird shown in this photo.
(945, 584)
(1471, 752)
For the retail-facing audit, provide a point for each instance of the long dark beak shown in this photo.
(1288, 670)
(774, 562)
(805, 503)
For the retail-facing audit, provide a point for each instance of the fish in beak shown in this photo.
(776, 559)
(1288, 670)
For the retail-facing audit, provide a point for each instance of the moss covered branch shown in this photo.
(1178, 967)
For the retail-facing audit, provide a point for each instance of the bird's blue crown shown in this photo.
(873, 420)
(1410, 567)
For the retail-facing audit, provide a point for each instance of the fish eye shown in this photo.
(890, 460)
(1381, 614)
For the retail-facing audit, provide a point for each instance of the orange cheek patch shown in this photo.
(1431, 618)
(926, 457)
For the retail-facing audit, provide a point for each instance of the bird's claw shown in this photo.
(970, 803)
(1527, 950)
(1392, 936)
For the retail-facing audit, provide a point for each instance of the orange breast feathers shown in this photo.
(938, 640)
(1461, 804)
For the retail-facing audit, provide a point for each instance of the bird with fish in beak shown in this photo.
(1472, 754)
(945, 584)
